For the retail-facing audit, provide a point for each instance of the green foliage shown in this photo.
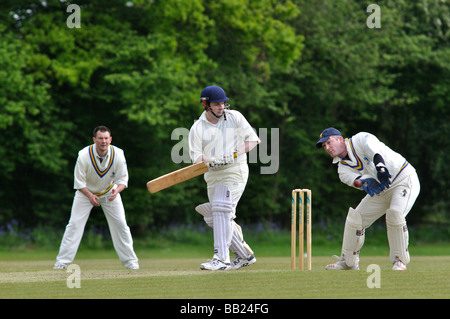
(139, 67)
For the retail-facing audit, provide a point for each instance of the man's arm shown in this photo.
(247, 147)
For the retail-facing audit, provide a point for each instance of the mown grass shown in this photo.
(170, 260)
(30, 275)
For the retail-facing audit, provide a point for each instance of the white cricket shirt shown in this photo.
(223, 138)
(99, 178)
(361, 149)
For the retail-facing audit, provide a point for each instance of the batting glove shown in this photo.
(218, 162)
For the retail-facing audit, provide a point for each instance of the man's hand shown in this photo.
(383, 175)
(93, 199)
(218, 162)
(113, 195)
(116, 191)
(371, 186)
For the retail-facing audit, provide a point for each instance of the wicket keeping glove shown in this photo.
(371, 186)
(383, 175)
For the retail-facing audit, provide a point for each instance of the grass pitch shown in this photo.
(102, 276)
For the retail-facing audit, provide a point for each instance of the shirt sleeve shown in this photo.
(195, 143)
(347, 175)
(246, 130)
(371, 145)
(122, 169)
(79, 173)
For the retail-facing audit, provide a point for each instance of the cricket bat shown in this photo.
(176, 177)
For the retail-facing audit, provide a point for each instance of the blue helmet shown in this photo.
(213, 94)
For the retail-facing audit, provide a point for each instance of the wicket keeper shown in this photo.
(391, 184)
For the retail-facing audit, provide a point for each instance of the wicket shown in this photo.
(301, 213)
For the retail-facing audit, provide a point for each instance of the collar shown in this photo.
(203, 118)
(354, 162)
(93, 153)
(94, 149)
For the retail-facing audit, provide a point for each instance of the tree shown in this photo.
(139, 67)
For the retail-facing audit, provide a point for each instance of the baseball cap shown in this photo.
(325, 135)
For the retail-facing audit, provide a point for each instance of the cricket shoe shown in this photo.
(215, 264)
(341, 265)
(239, 262)
(399, 265)
(59, 265)
(132, 265)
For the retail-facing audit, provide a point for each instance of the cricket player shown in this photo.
(222, 137)
(391, 184)
(100, 175)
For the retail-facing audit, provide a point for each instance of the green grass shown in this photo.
(174, 274)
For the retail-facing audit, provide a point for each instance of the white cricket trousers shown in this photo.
(400, 196)
(115, 215)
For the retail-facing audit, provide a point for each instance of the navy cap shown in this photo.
(325, 135)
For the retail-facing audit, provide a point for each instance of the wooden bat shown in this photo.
(176, 177)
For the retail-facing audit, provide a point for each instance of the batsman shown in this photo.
(391, 184)
(222, 137)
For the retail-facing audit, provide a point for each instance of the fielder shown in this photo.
(100, 175)
(391, 184)
(222, 138)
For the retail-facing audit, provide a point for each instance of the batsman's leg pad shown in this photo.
(354, 235)
(398, 236)
(222, 209)
(222, 200)
(238, 245)
(206, 211)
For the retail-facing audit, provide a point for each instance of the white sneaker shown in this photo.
(399, 265)
(215, 264)
(132, 265)
(59, 265)
(341, 265)
(239, 262)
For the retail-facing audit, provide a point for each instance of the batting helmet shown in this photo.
(213, 94)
